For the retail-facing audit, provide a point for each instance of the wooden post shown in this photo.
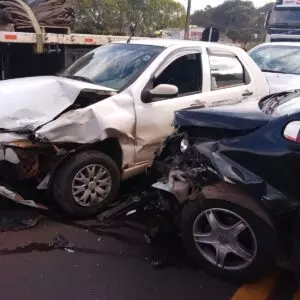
(187, 21)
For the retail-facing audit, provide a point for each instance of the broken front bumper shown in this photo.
(16, 165)
(9, 194)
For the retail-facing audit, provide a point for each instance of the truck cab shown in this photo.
(283, 22)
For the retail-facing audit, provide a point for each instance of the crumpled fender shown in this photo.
(110, 118)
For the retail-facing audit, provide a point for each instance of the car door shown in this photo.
(153, 120)
(229, 79)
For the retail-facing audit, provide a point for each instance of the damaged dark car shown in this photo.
(229, 178)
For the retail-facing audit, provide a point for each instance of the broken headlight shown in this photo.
(184, 144)
(26, 144)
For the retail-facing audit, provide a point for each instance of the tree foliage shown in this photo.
(115, 16)
(238, 19)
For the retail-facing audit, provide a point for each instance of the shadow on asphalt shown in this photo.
(165, 251)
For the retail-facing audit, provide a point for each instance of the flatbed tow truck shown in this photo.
(40, 50)
(25, 54)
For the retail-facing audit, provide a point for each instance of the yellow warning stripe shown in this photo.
(260, 290)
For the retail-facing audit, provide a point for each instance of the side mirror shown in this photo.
(164, 91)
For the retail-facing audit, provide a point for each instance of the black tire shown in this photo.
(62, 184)
(265, 236)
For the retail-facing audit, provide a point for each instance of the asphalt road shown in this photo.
(60, 259)
(85, 261)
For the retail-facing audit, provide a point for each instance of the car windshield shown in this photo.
(277, 59)
(113, 65)
(287, 16)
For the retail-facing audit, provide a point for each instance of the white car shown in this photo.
(78, 135)
(281, 64)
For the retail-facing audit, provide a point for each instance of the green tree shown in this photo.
(239, 20)
(115, 16)
(162, 14)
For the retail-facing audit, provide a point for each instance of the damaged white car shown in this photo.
(79, 134)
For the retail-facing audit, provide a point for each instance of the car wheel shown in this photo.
(86, 183)
(228, 240)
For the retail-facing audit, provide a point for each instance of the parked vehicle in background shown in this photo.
(229, 177)
(283, 23)
(280, 63)
(101, 121)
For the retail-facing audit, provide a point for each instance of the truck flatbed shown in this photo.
(61, 39)
(19, 58)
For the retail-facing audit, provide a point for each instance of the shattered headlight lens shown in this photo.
(184, 145)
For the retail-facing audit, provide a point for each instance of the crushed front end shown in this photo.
(23, 164)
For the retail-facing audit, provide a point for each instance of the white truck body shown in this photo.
(282, 23)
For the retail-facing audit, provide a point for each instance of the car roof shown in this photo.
(286, 44)
(178, 43)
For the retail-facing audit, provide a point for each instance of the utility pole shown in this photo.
(187, 21)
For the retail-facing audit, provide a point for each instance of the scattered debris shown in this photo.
(147, 239)
(14, 196)
(61, 242)
(69, 250)
(159, 264)
(20, 219)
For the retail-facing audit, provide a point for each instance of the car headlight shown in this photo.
(184, 145)
(23, 144)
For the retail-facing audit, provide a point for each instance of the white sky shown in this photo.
(199, 4)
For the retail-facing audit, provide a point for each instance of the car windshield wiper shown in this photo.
(278, 99)
(272, 71)
(279, 24)
(81, 78)
(272, 103)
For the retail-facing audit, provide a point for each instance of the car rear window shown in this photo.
(226, 71)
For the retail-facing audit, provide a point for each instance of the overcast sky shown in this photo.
(199, 4)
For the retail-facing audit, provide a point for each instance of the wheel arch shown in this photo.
(110, 146)
(231, 193)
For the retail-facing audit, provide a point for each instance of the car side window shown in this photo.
(226, 71)
(185, 73)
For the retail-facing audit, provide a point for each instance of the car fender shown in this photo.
(234, 194)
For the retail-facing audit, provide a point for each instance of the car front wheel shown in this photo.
(86, 183)
(228, 240)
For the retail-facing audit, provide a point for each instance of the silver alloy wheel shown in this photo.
(91, 185)
(230, 245)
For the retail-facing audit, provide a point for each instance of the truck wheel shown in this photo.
(86, 183)
(228, 240)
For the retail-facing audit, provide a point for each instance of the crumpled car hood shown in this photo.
(29, 103)
(282, 82)
(242, 116)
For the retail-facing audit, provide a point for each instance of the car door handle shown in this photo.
(247, 93)
(198, 104)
